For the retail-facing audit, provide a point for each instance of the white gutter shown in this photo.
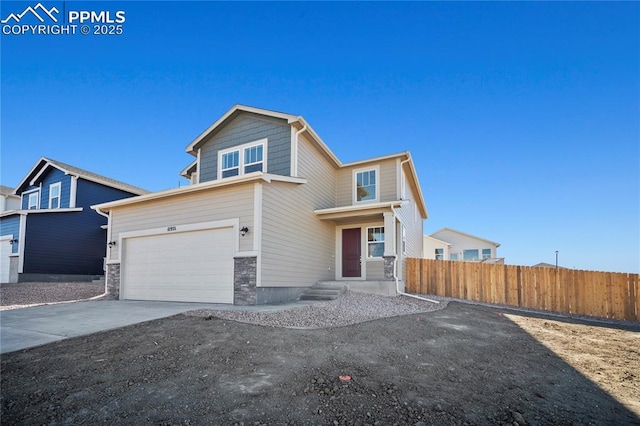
(108, 256)
(295, 154)
(395, 258)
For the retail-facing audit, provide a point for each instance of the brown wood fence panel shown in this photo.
(602, 294)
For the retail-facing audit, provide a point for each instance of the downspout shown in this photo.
(395, 257)
(108, 216)
(298, 132)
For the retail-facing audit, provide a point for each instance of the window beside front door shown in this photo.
(375, 241)
(366, 185)
(54, 195)
(240, 160)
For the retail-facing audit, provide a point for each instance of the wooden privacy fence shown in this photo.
(601, 294)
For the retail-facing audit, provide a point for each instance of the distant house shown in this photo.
(47, 228)
(8, 200)
(547, 265)
(449, 244)
(270, 212)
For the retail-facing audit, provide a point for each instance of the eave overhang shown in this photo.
(255, 177)
(357, 211)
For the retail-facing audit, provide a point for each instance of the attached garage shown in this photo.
(188, 266)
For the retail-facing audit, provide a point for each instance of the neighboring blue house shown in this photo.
(48, 230)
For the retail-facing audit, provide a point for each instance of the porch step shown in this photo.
(323, 291)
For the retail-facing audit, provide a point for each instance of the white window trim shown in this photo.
(241, 160)
(28, 194)
(354, 186)
(59, 186)
(367, 242)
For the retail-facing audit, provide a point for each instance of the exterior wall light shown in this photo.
(244, 230)
(13, 241)
(111, 244)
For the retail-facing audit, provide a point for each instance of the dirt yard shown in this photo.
(23, 295)
(464, 364)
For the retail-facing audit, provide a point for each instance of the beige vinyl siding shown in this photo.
(375, 269)
(386, 180)
(297, 247)
(412, 223)
(196, 207)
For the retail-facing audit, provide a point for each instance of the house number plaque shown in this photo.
(171, 228)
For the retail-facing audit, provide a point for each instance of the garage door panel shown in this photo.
(192, 266)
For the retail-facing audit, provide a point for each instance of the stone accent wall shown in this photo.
(113, 281)
(244, 280)
(388, 268)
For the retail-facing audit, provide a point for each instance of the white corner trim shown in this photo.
(21, 242)
(73, 191)
(257, 230)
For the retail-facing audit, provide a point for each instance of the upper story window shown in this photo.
(366, 185)
(54, 195)
(375, 241)
(439, 254)
(33, 200)
(242, 159)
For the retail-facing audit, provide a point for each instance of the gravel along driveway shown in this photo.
(22, 295)
(464, 364)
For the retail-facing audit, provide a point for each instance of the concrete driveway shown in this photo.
(39, 325)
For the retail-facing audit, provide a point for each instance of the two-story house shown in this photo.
(270, 212)
(48, 230)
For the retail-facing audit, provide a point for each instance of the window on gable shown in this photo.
(243, 159)
(486, 253)
(439, 254)
(54, 195)
(253, 159)
(33, 201)
(375, 241)
(230, 164)
(366, 186)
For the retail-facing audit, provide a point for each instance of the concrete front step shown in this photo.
(323, 291)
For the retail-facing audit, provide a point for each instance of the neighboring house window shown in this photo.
(404, 240)
(470, 255)
(486, 253)
(440, 254)
(33, 201)
(243, 159)
(375, 241)
(453, 257)
(54, 195)
(366, 185)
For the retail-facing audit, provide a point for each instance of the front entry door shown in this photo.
(351, 253)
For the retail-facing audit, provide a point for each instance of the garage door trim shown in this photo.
(173, 229)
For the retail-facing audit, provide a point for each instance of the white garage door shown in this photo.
(194, 266)
(5, 251)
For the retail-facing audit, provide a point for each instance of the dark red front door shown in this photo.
(351, 254)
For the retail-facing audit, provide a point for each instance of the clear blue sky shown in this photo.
(523, 118)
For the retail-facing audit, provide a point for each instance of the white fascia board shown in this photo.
(466, 235)
(219, 183)
(360, 207)
(39, 211)
(45, 167)
(404, 154)
(24, 180)
(185, 171)
(323, 146)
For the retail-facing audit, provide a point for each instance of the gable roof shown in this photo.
(437, 240)
(465, 234)
(301, 126)
(43, 163)
(7, 191)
